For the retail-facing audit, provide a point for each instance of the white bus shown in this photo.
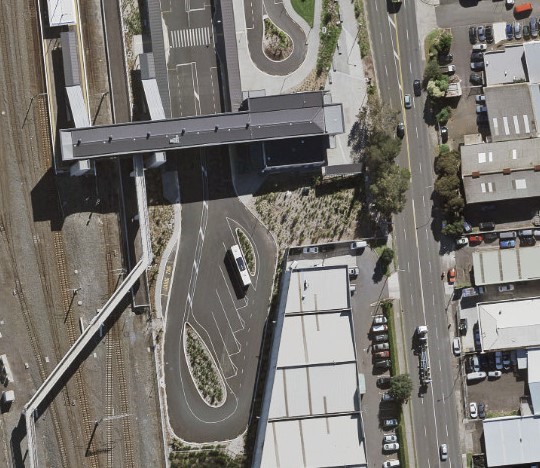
(240, 266)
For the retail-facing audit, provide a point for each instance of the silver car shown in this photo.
(407, 101)
(391, 447)
(517, 30)
(443, 452)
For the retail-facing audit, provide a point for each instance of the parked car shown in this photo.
(392, 463)
(509, 3)
(490, 236)
(487, 226)
(391, 447)
(509, 32)
(534, 27)
(407, 101)
(443, 452)
(495, 374)
(481, 109)
(477, 57)
(386, 364)
(379, 319)
(452, 275)
(389, 438)
(477, 66)
(526, 32)
(463, 326)
(380, 338)
(507, 244)
(462, 241)
(517, 30)
(489, 34)
(400, 130)
(481, 47)
(444, 134)
(353, 272)
(467, 226)
(310, 250)
(481, 33)
(383, 380)
(482, 119)
(381, 355)
(358, 245)
(379, 328)
(475, 376)
(507, 361)
(387, 397)
(380, 347)
(506, 287)
(481, 411)
(480, 99)
(473, 410)
(446, 58)
(392, 422)
(476, 79)
(527, 241)
(456, 346)
(498, 360)
(472, 35)
(417, 86)
(476, 239)
(474, 363)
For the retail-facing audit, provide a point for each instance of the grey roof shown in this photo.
(70, 58)
(512, 440)
(206, 130)
(510, 111)
(501, 170)
(231, 54)
(153, 99)
(532, 55)
(148, 69)
(77, 105)
(285, 101)
(506, 65)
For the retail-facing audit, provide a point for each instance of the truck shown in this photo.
(421, 333)
(448, 69)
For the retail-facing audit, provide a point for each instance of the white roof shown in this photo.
(512, 440)
(533, 358)
(509, 324)
(61, 12)
(495, 266)
(532, 56)
(153, 99)
(77, 106)
(311, 291)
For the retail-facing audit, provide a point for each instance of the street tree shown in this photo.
(389, 188)
(401, 387)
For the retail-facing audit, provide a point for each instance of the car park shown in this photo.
(462, 241)
(471, 376)
(400, 130)
(517, 30)
(392, 463)
(391, 422)
(354, 271)
(380, 338)
(476, 79)
(477, 66)
(477, 57)
(481, 411)
(456, 346)
(389, 438)
(494, 374)
(443, 452)
(381, 354)
(417, 86)
(391, 447)
(506, 287)
(481, 33)
(507, 244)
(407, 101)
(480, 99)
(379, 328)
(509, 32)
(387, 397)
(498, 360)
(379, 319)
(452, 275)
(489, 34)
(380, 347)
(476, 239)
(386, 364)
(473, 410)
(472, 35)
(383, 380)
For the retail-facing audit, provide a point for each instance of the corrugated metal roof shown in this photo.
(61, 12)
(70, 58)
(153, 99)
(231, 54)
(77, 106)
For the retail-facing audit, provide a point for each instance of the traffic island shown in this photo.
(277, 45)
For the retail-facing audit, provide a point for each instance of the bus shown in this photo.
(240, 267)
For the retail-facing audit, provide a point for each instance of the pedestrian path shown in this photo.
(190, 37)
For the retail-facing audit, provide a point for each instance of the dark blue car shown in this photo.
(509, 31)
(507, 244)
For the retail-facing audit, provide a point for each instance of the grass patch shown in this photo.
(402, 441)
(306, 9)
(185, 456)
(469, 460)
(204, 372)
(363, 37)
(247, 250)
(328, 39)
(501, 414)
(388, 309)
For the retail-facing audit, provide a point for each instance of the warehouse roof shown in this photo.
(494, 266)
(533, 377)
(505, 65)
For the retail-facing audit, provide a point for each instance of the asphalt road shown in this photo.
(254, 10)
(398, 60)
(202, 295)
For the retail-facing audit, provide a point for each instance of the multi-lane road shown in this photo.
(398, 61)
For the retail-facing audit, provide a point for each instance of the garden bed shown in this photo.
(277, 45)
(247, 251)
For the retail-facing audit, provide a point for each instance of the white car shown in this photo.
(379, 319)
(462, 241)
(391, 463)
(379, 328)
(480, 99)
(312, 250)
(358, 245)
(473, 410)
(509, 2)
(506, 287)
(389, 438)
(381, 347)
(494, 374)
(479, 47)
(443, 452)
(391, 447)
(353, 271)
(456, 345)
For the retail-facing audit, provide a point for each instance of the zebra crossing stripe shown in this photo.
(190, 37)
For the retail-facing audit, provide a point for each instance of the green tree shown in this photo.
(382, 151)
(432, 72)
(444, 42)
(444, 115)
(447, 186)
(447, 163)
(454, 228)
(389, 189)
(401, 387)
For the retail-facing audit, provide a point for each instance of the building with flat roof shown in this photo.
(506, 65)
(61, 12)
(500, 171)
(509, 324)
(311, 408)
(495, 266)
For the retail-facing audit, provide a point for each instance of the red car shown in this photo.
(452, 275)
(475, 239)
(381, 355)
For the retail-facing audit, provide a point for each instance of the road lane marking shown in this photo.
(410, 67)
(446, 430)
(416, 131)
(407, 31)
(405, 234)
(391, 21)
(420, 166)
(386, 70)
(376, 9)
(396, 56)
(424, 200)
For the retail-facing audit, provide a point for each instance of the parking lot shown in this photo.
(501, 396)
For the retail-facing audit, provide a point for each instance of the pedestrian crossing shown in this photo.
(190, 37)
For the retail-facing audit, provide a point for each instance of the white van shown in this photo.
(358, 245)
(476, 376)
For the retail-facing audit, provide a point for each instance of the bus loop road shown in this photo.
(398, 61)
(202, 294)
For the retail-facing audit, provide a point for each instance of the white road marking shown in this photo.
(391, 21)
(386, 70)
(424, 200)
(416, 131)
(407, 31)
(420, 166)
(405, 234)
(446, 430)
(190, 37)
(376, 9)
(410, 67)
